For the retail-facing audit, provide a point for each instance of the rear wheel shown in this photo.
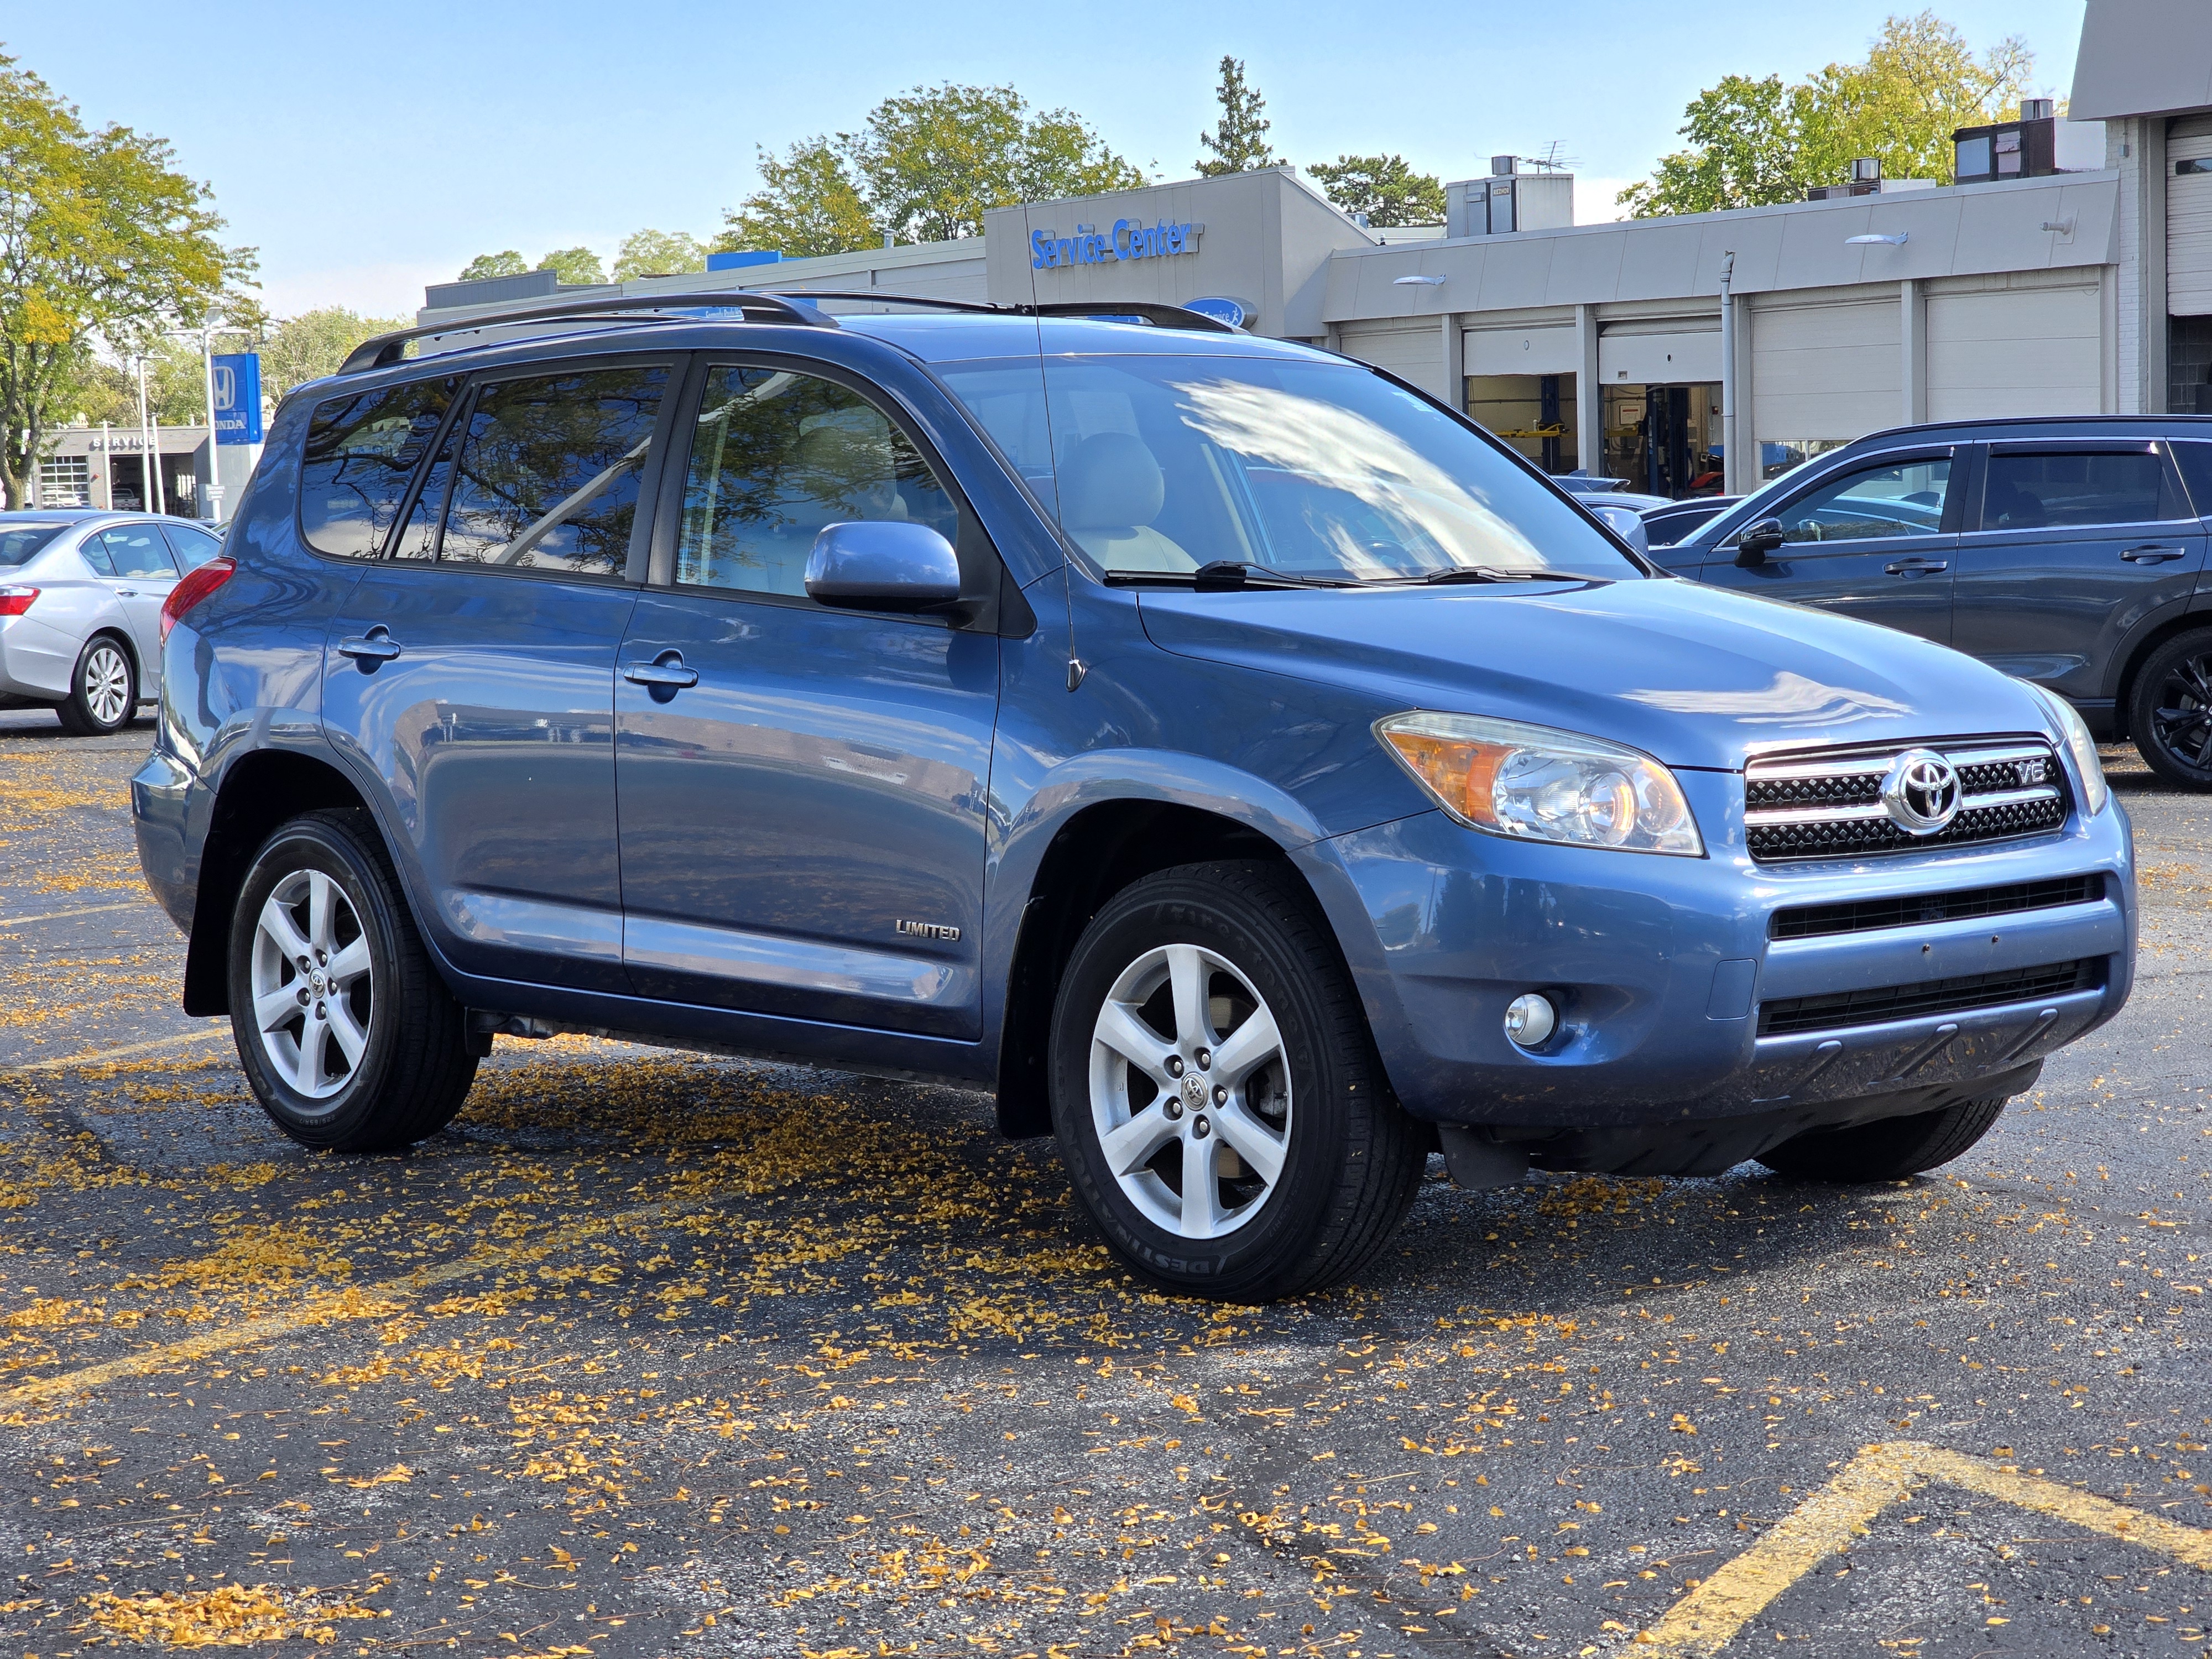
(103, 690)
(2171, 713)
(348, 1036)
(1890, 1149)
(1216, 1093)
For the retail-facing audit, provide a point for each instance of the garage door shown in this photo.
(1549, 350)
(1825, 371)
(1412, 351)
(1667, 353)
(2189, 219)
(2018, 352)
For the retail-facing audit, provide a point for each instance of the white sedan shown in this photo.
(81, 596)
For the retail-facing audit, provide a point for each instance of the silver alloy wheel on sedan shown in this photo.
(1190, 1093)
(313, 984)
(107, 683)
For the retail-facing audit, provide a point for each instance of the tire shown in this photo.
(103, 690)
(373, 1058)
(1302, 1091)
(1890, 1149)
(2170, 712)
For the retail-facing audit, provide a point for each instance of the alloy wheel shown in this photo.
(108, 684)
(313, 984)
(1190, 1091)
(2181, 712)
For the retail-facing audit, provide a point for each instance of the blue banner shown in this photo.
(238, 397)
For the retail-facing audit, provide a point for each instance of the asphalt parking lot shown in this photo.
(651, 1354)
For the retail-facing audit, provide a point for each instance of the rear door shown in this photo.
(1875, 541)
(471, 673)
(144, 574)
(2076, 544)
(804, 815)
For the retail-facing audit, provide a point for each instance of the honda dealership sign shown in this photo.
(238, 397)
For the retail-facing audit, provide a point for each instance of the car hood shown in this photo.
(1693, 676)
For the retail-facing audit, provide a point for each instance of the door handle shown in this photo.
(2151, 555)
(370, 648)
(132, 592)
(665, 672)
(1915, 566)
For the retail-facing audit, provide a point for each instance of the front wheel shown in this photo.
(349, 1038)
(1216, 1094)
(2171, 713)
(103, 692)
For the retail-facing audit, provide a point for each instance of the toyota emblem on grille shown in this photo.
(1920, 792)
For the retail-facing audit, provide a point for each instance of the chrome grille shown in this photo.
(1829, 805)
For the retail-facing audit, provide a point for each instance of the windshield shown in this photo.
(1156, 465)
(18, 542)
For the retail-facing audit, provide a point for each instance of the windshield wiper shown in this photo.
(1486, 573)
(1221, 575)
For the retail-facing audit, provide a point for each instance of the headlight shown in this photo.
(2083, 745)
(1533, 782)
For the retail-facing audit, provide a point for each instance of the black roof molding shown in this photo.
(383, 350)
(1159, 316)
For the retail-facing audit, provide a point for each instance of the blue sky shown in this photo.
(369, 150)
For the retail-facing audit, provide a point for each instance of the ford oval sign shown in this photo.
(1220, 309)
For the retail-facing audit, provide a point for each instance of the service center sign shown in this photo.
(1127, 240)
(238, 397)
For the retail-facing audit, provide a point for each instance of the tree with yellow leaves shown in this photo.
(101, 240)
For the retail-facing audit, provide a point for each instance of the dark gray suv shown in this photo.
(2067, 551)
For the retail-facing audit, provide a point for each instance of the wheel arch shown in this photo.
(1099, 849)
(2197, 617)
(259, 791)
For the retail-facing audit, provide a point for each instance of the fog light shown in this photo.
(1530, 1019)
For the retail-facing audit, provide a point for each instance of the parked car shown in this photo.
(1251, 771)
(81, 597)
(2068, 550)
(1669, 522)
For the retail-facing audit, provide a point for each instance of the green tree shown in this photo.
(930, 162)
(505, 263)
(314, 344)
(1755, 142)
(1745, 137)
(658, 253)
(808, 204)
(1239, 143)
(1384, 187)
(573, 265)
(102, 240)
(925, 167)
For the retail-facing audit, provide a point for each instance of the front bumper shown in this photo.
(1661, 968)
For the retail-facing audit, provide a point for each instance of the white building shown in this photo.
(2081, 283)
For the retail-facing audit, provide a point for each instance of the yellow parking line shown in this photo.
(104, 1055)
(64, 915)
(1705, 1620)
(364, 1302)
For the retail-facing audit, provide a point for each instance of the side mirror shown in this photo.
(883, 565)
(1627, 523)
(1755, 541)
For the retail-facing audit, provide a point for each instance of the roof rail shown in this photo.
(382, 350)
(1159, 316)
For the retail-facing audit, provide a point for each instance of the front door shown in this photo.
(1874, 542)
(471, 673)
(802, 789)
(2077, 545)
(143, 574)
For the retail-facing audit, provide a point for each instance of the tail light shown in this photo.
(14, 601)
(200, 583)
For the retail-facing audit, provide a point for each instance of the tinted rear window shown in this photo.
(361, 452)
(18, 542)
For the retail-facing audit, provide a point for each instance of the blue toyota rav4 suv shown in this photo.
(1250, 770)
